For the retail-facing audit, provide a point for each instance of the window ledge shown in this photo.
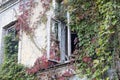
(59, 62)
(57, 65)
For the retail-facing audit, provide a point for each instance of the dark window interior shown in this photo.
(73, 44)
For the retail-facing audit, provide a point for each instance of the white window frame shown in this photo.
(64, 55)
(69, 34)
(62, 39)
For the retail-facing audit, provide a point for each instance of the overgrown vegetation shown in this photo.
(10, 69)
(97, 25)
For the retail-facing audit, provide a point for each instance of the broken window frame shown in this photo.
(62, 39)
(64, 57)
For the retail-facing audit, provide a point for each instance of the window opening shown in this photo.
(58, 41)
(74, 41)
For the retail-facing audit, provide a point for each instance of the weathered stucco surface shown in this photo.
(28, 50)
(31, 48)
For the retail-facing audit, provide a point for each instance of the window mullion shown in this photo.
(62, 43)
(59, 38)
(48, 36)
(69, 34)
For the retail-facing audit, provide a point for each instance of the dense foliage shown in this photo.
(10, 69)
(97, 25)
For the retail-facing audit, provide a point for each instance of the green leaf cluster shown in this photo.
(97, 25)
(10, 69)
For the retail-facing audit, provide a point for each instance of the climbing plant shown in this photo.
(96, 24)
(26, 9)
(10, 69)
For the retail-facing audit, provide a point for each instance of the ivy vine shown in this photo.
(10, 69)
(96, 24)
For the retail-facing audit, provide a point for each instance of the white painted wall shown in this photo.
(28, 50)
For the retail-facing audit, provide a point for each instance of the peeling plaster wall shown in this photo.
(30, 48)
(28, 52)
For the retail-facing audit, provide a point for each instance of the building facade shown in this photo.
(45, 40)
